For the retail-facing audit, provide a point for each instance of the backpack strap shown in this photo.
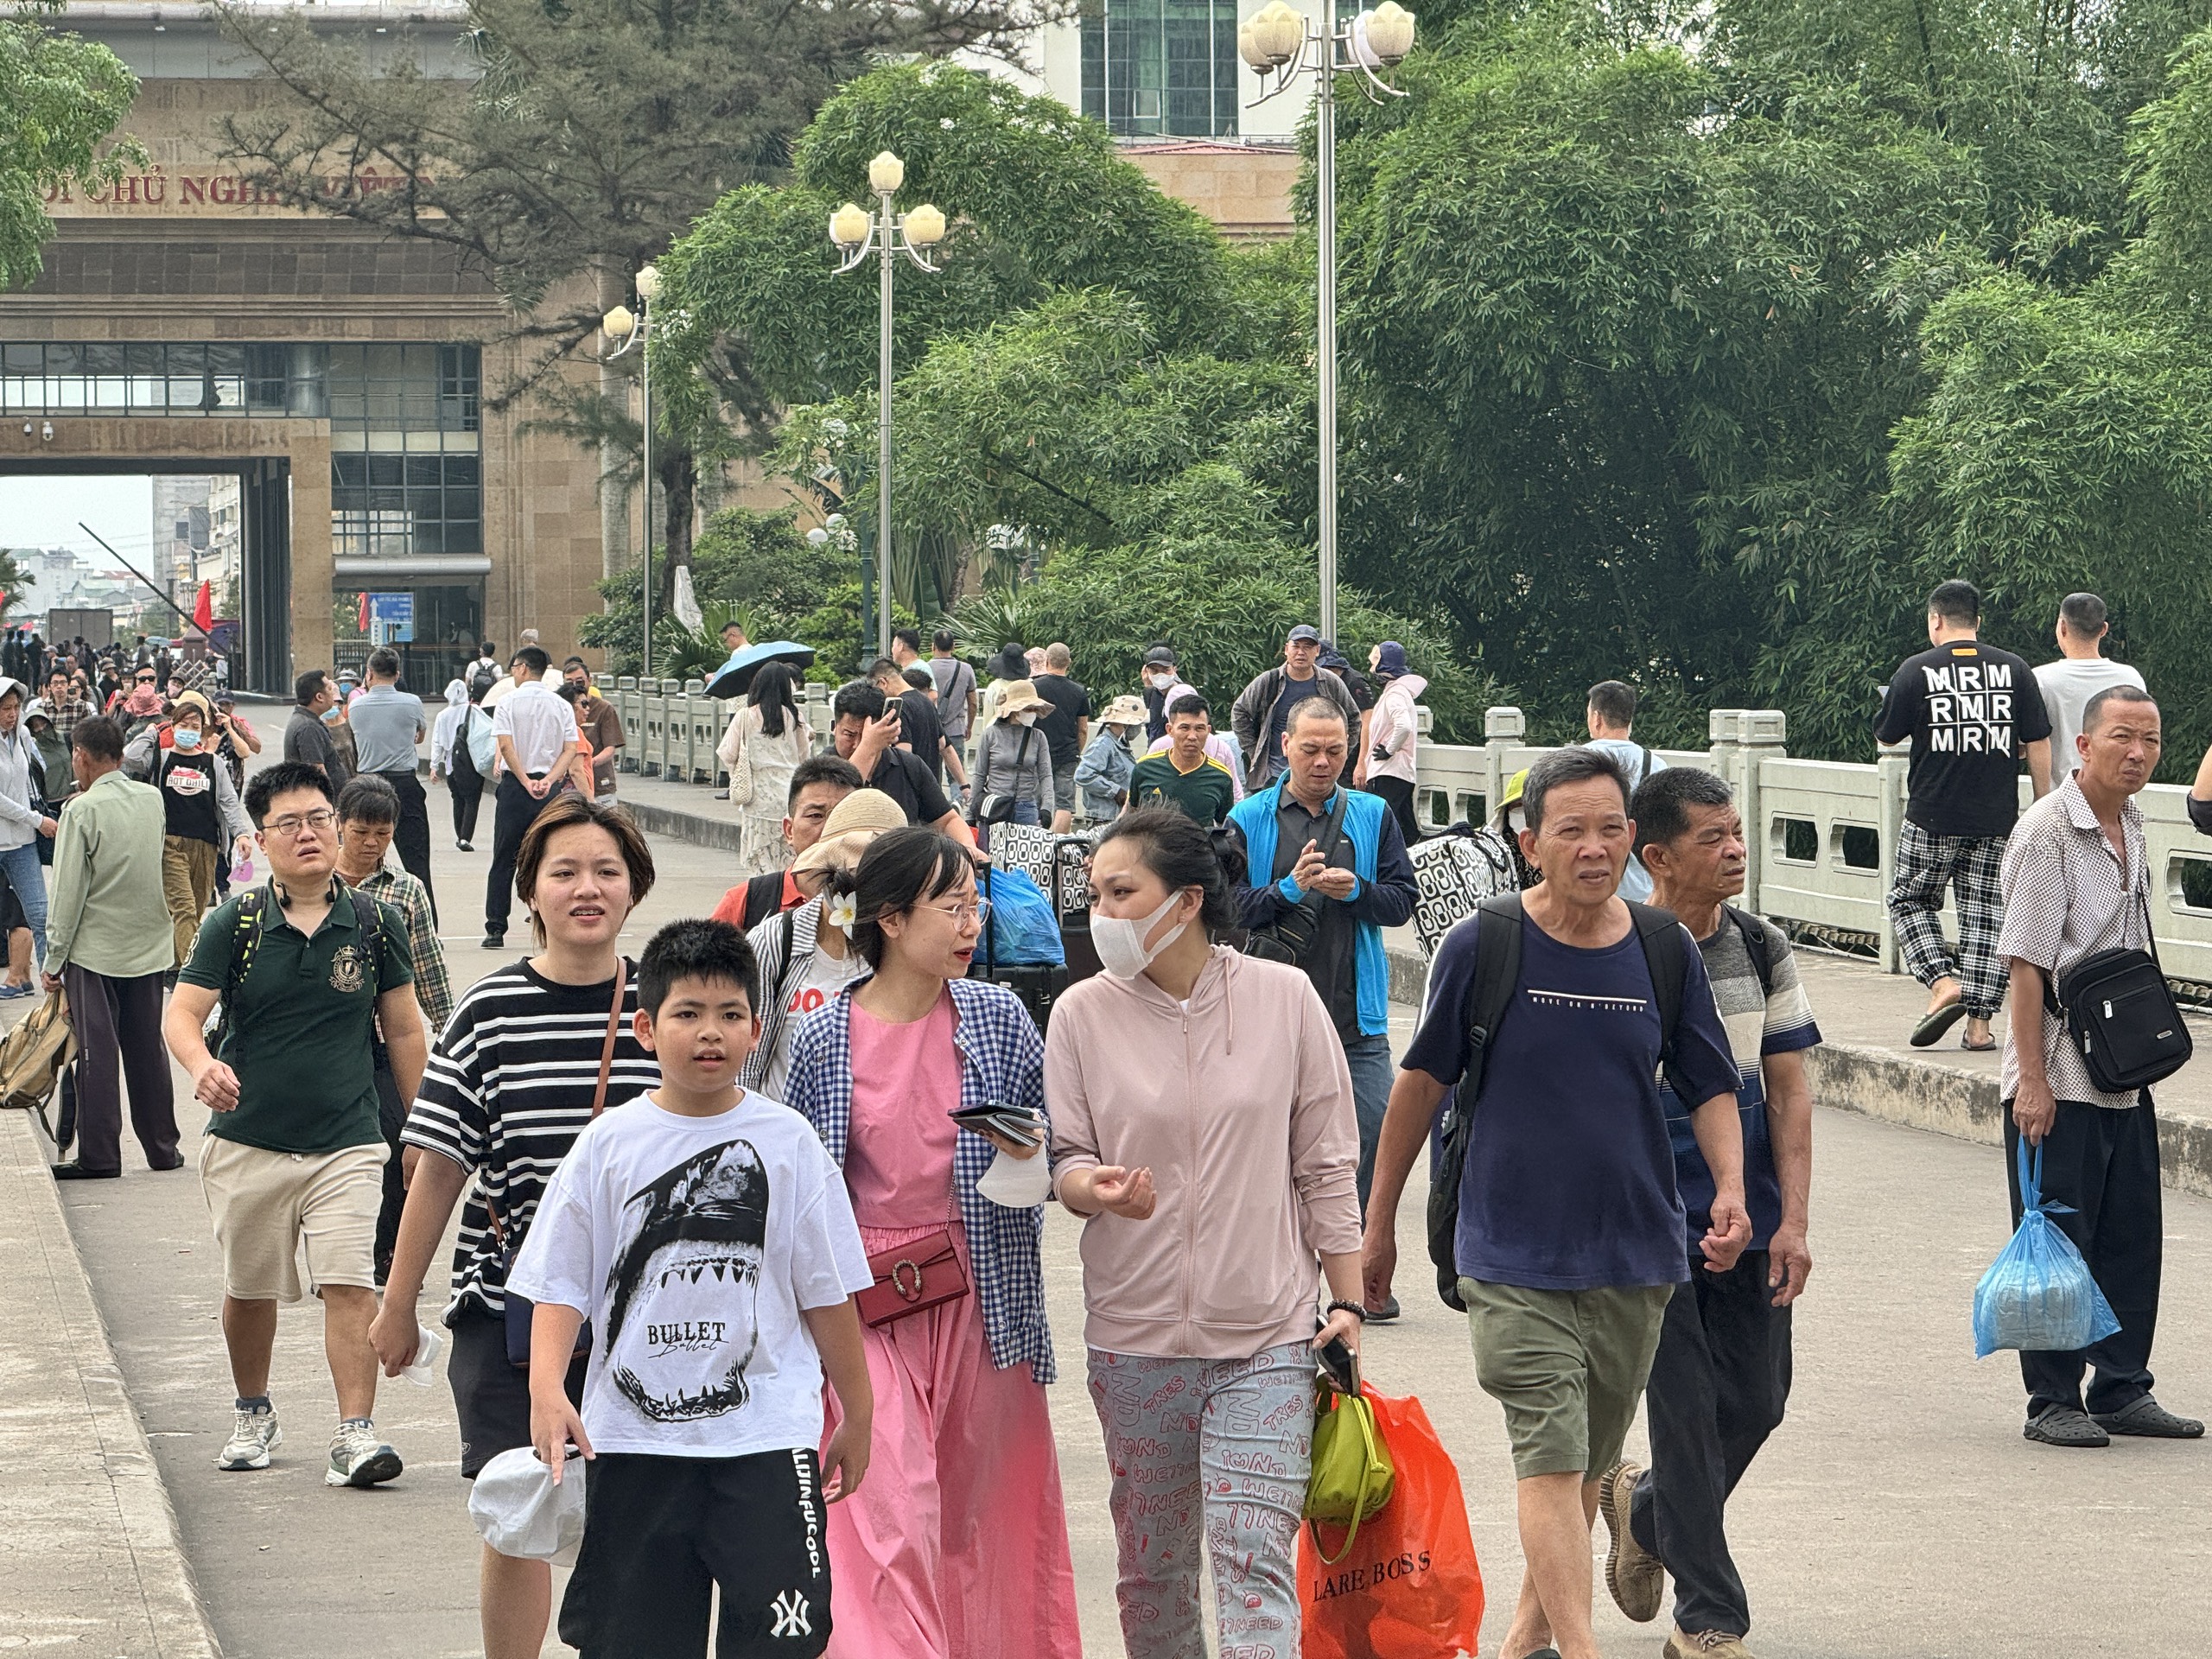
(1755, 945)
(1661, 937)
(1489, 990)
(368, 916)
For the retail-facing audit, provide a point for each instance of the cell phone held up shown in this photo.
(1009, 1122)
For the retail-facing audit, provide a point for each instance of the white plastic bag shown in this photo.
(421, 1373)
(520, 1512)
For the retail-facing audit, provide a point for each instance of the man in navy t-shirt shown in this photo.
(1720, 1380)
(1570, 1231)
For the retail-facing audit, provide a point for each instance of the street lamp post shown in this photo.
(854, 230)
(633, 331)
(1280, 44)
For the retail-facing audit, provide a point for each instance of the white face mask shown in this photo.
(1026, 717)
(1120, 940)
(1516, 820)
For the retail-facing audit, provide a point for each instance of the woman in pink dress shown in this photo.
(956, 1547)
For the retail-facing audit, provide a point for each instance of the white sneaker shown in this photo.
(254, 1435)
(358, 1458)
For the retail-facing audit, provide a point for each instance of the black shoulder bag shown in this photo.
(2121, 1014)
(1290, 936)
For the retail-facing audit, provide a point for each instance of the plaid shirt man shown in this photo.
(1002, 1062)
(404, 894)
(65, 716)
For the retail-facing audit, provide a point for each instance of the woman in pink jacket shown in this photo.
(1201, 1122)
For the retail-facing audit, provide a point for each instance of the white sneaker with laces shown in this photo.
(358, 1458)
(254, 1435)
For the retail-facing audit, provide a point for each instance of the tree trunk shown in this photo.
(679, 480)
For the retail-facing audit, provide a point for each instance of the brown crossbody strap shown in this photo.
(599, 1094)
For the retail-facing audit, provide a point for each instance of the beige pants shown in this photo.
(263, 1204)
(188, 884)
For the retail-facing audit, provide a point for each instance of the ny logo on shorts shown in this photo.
(790, 1611)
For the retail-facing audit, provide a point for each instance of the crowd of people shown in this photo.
(751, 1222)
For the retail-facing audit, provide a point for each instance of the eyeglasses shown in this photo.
(964, 915)
(296, 824)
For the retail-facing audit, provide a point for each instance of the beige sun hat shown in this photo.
(1018, 696)
(852, 824)
(1125, 711)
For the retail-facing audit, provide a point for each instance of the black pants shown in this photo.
(661, 1532)
(1399, 793)
(412, 835)
(1720, 1383)
(2104, 1163)
(514, 809)
(392, 1118)
(466, 784)
(118, 1025)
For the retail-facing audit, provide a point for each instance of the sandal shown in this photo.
(1973, 1047)
(1936, 1021)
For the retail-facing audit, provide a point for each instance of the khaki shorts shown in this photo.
(266, 1203)
(1567, 1365)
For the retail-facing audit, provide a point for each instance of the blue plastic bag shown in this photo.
(1024, 929)
(2038, 1294)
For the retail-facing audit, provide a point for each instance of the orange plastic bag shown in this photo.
(1410, 1587)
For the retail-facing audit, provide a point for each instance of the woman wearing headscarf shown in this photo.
(452, 759)
(766, 739)
(1394, 736)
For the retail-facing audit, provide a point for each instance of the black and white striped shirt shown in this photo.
(508, 1088)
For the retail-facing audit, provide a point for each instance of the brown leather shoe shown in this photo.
(1706, 1644)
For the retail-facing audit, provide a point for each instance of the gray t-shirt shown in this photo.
(385, 722)
(2066, 685)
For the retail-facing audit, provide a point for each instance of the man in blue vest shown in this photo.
(1328, 873)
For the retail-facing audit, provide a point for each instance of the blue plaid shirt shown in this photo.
(1001, 1061)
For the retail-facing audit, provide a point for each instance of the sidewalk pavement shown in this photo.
(89, 1558)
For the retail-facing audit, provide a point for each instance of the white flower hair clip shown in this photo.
(844, 911)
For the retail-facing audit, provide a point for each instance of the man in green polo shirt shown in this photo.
(312, 970)
(1183, 774)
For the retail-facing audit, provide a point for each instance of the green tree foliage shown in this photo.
(2066, 442)
(60, 96)
(1632, 302)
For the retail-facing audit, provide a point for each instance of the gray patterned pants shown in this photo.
(1969, 866)
(1225, 1442)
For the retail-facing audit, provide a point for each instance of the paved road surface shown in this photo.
(1898, 1512)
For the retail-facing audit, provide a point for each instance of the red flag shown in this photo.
(203, 611)
(362, 624)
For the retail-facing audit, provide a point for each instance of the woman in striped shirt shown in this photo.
(509, 1085)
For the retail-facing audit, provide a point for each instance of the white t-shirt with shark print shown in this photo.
(692, 1244)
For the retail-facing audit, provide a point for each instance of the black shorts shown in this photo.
(660, 1533)
(491, 1393)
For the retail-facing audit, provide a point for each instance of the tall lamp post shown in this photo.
(633, 330)
(1281, 44)
(855, 230)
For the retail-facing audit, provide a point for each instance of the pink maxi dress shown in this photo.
(956, 1547)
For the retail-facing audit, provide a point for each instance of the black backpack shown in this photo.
(1490, 993)
(245, 943)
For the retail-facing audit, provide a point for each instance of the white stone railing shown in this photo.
(1822, 833)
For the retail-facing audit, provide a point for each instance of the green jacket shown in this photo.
(108, 913)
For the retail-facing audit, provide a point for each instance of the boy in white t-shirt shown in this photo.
(705, 1234)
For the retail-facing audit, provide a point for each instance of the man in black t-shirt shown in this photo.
(1066, 728)
(1974, 713)
(919, 732)
(866, 735)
